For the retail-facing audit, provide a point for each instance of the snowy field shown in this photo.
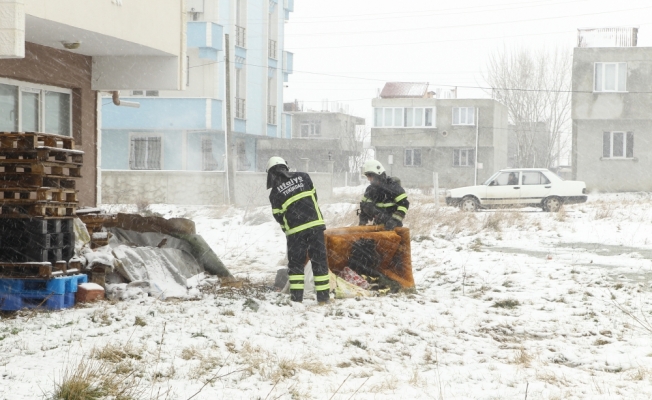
(511, 304)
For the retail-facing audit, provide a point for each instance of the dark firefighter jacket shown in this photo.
(388, 199)
(294, 202)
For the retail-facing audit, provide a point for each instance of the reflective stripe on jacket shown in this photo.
(294, 203)
(388, 196)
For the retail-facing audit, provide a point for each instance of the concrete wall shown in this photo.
(194, 188)
(44, 65)
(596, 112)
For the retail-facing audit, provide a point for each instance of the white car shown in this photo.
(521, 187)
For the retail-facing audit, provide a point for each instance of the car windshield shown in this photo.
(488, 181)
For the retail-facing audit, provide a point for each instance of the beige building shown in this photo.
(56, 57)
(416, 133)
(612, 110)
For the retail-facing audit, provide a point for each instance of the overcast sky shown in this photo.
(344, 50)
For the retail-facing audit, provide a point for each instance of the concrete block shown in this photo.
(87, 292)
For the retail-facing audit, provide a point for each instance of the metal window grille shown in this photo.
(271, 115)
(271, 48)
(240, 108)
(208, 161)
(145, 153)
(240, 36)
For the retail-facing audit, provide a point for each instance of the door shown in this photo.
(534, 187)
(504, 189)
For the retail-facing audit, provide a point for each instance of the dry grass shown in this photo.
(274, 368)
(115, 353)
(522, 357)
(94, 379)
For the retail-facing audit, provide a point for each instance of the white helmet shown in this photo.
(373, 167)
(275, 161)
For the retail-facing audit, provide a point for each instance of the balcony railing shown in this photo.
(240, 108)
(240, 36)
(271, 115)
(271, 49)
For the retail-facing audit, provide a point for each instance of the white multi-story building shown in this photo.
(56, 57)
(185, 131)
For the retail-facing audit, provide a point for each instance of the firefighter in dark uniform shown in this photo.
(294, 205)
(385, 201)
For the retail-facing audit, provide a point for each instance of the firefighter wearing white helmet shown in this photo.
(294, 205)
(385, 201)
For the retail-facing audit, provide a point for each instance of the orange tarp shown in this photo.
(393, 247)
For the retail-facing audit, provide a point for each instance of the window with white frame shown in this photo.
(27, 107)
(409, 117)
(310, 128)
(146, 152)
(463, 115)
(463, 157)
(412, 158)
(610, 77)
(618, 144)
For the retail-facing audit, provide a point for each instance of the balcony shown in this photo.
(272, 49)
(240, 36)
(607, 37)
(240, 108)
(271, 115)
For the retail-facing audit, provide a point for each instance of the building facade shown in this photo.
(612, 111)
(416, 134)
(57, 57)
(321, 141)
(185, 131)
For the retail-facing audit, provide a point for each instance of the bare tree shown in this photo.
(535, 85)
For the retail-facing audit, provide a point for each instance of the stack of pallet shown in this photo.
(38, 200)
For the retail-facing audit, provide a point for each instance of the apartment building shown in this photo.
(611, 110)
(176, 133)
(58, 57)
(417, 132)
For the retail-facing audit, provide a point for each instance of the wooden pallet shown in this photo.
(39, 269)
(29, 166)
(32, 140)
(51, 154)
(20, 195)
(43, 209)
(25, 180)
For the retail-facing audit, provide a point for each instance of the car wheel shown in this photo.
(469, 203)
(552, 204)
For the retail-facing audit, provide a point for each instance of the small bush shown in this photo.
(508, 303)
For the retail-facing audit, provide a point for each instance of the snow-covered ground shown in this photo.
(512, 304)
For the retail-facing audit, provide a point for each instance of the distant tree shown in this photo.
(535, 85)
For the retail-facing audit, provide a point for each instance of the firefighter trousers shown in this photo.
(301, 246)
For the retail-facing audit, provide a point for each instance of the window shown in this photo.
(27, 107)
(618, 144)
(310, 128)
(463, 115)
(392, 117)
(412, 157)
(208, 162)
(148, 93)
(610, 77)
(145, 153)
(533, 178)
(463, 157)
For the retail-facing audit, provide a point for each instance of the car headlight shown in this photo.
(448, 193)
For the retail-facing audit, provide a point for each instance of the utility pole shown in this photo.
(229, 143)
